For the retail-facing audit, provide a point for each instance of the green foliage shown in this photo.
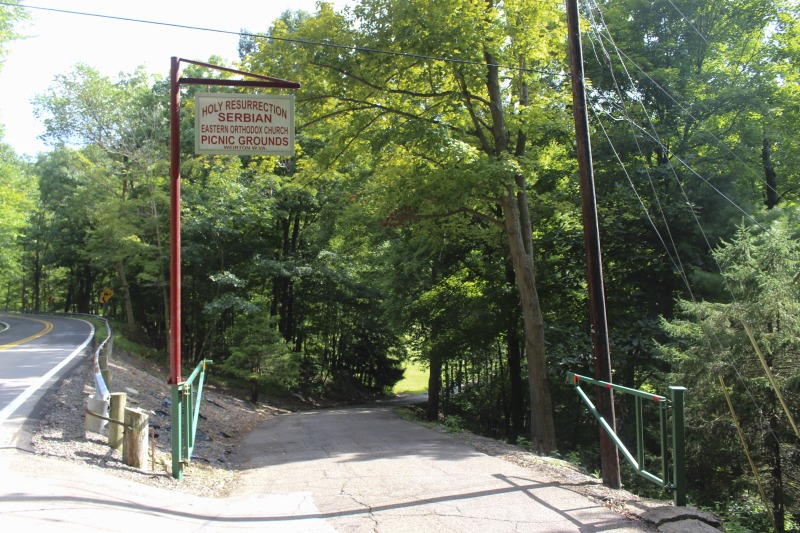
(454, 423)
(260, 356)
(17, 201)
(9, 17)
(746, 514)
(759, 269)
(127, 345)
(524, 443)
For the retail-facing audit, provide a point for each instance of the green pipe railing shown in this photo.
(672, 408)
(186, 397)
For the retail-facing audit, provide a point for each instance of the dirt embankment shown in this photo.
(224, 420)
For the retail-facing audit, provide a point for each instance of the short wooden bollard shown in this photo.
(108, 377)
(102, 359)
(134, 447)
(116, 431)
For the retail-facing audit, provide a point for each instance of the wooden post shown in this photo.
(108, 377)
(609, 456)
(134, 448)
(116, 431)
(106, 352)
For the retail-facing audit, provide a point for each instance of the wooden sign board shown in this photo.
(244, 124)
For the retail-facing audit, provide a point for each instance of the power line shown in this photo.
(654, 135)
(677, 260)
(303, 42)
(656, 138)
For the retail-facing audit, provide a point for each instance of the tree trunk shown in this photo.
(37, 281)
(68, 301)
(514, 358)
(770, 177)
(162, 275)
(434, 388)
(435, 374)
(542, 425)
(24, 296)
(85, 283)
(126, 297)
(517, 226)
(776, 467)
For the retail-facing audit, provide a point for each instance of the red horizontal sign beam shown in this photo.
(232, 71)
(239, 83)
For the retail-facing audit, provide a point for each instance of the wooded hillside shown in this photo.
(432, 213)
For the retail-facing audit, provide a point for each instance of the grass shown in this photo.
(415, 380)
(99, 328)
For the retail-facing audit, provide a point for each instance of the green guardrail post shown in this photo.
(197, 397)
(188, 434)
(663, 434)
(678, 445)
(185, 413)
(177, 434)
(639, 432)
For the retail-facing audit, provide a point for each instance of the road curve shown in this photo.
(34, 352)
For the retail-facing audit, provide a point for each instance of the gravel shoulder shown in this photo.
(225, 419)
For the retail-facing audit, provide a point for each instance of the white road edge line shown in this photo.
(27, 393)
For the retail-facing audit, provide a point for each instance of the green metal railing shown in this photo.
(671, 408)
(186, 398)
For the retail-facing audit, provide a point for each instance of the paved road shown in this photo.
(341, 470)
(346, 470)
(34, 352)
(365, 469)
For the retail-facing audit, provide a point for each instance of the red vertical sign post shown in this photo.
(264, 146)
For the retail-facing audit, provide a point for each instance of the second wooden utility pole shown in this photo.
(609, 456)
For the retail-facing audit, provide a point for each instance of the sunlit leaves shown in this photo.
(10, 16)
(17, 200)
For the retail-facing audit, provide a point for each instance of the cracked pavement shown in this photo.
(367, 470)
(355, 469)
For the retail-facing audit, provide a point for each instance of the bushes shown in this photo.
(260, 356)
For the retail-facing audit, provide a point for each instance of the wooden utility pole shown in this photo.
(609, 456)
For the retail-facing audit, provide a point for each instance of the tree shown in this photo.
(17, 201)
(701, 93)
(123, 125)
(9, 16)
(711, 340)
(16, 186)
(461, 138)
(260, 356)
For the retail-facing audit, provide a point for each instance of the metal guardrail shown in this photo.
(672, 408)
(186, 397)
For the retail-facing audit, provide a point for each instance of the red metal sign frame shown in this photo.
(258, 81)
